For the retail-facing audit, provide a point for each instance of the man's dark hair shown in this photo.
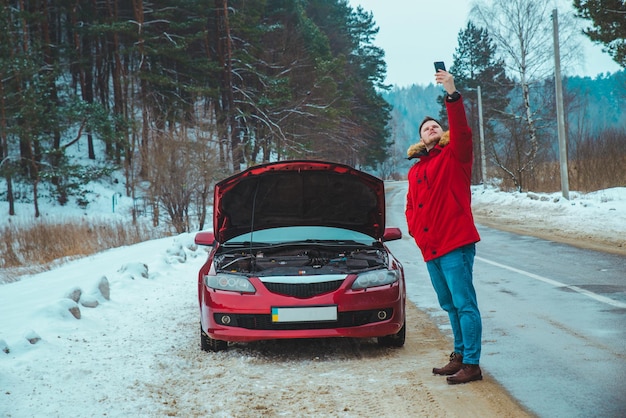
(426, 119)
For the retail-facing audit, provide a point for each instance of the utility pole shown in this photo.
(483, 159)
(560, 114)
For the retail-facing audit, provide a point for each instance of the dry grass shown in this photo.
(595, 163)
(36, 247)
(584, 175)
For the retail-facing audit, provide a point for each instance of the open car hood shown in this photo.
(299, 193)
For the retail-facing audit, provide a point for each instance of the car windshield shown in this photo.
(301, 233)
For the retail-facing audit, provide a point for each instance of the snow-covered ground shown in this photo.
(79, 339)
(107, 200)
(598, 217)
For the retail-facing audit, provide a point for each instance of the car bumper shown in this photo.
(374, 312)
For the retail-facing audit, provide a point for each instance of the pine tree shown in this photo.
(608, 19)
(476, 64)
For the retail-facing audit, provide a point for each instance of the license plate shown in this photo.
(305, 314)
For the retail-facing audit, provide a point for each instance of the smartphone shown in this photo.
(439, 65)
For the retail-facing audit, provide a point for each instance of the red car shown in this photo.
(298, 251)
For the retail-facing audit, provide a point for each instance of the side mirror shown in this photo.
(392, 234)
(205, 238)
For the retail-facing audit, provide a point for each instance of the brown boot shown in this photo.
(455, 364)
(468, 373)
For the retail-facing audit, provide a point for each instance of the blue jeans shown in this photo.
(451, 276)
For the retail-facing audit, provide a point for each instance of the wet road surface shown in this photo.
(554, 330)
(554, 318)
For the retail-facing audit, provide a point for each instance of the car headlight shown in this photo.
(375, 278)
(229, 282)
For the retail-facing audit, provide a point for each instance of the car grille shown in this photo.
(264, 322)
(303, 290)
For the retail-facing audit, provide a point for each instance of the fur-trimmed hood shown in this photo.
(419, 149)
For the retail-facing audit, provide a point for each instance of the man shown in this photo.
(439, 218)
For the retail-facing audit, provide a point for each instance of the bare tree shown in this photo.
(522, 30)
(182, 166)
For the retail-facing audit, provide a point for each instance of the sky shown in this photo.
(112, 361)
(415, 33)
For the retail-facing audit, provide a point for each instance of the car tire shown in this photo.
(209, 344)
(394, 340)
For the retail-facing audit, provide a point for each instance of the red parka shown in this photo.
(438, 206)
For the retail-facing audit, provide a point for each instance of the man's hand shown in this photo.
(446, 79)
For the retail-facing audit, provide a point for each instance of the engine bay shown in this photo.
(300, 260)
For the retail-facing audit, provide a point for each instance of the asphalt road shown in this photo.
(554, 330)
(554, 319)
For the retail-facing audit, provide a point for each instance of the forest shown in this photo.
(177, 94)
(505, 65)
(180, 93)
(595, 115)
